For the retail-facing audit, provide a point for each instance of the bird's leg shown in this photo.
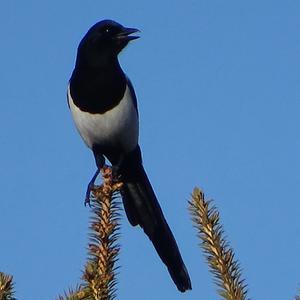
(116, 168)
(100, 160)
(90, 187)
(125, 163)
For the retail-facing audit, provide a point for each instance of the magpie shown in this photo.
(104, 109)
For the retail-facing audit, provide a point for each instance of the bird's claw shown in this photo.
(90, 187)
(87, 200)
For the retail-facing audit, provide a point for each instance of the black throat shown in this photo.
(97, 89)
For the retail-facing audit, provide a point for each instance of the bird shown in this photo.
(103, 106)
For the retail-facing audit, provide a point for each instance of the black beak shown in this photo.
(125, 34)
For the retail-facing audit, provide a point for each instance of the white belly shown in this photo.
(117, 127)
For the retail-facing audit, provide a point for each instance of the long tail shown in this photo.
(142, 208)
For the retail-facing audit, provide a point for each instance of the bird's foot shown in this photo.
(116, 176)
(91, 186)
(87, 200)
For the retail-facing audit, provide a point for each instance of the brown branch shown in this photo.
(219, 255)
(78, 294)
(99, 274)
(6, 287)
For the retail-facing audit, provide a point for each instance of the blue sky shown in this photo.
(219, 100)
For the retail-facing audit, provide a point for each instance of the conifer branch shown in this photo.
(99, 274)
(219, 255)
(77, 294)
(6, 287)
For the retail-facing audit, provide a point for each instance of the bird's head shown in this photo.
(103, 42)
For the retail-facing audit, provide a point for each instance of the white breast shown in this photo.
(117, 127)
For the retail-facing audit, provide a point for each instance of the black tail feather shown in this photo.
(142, 208)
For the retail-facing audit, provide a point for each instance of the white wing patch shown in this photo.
(116, 127)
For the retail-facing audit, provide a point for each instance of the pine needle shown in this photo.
(6, 287)
(78, 294)
(219, 255)
(100, 270)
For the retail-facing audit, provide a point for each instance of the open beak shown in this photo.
(126, 34)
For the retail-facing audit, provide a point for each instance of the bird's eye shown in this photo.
(107, 30)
